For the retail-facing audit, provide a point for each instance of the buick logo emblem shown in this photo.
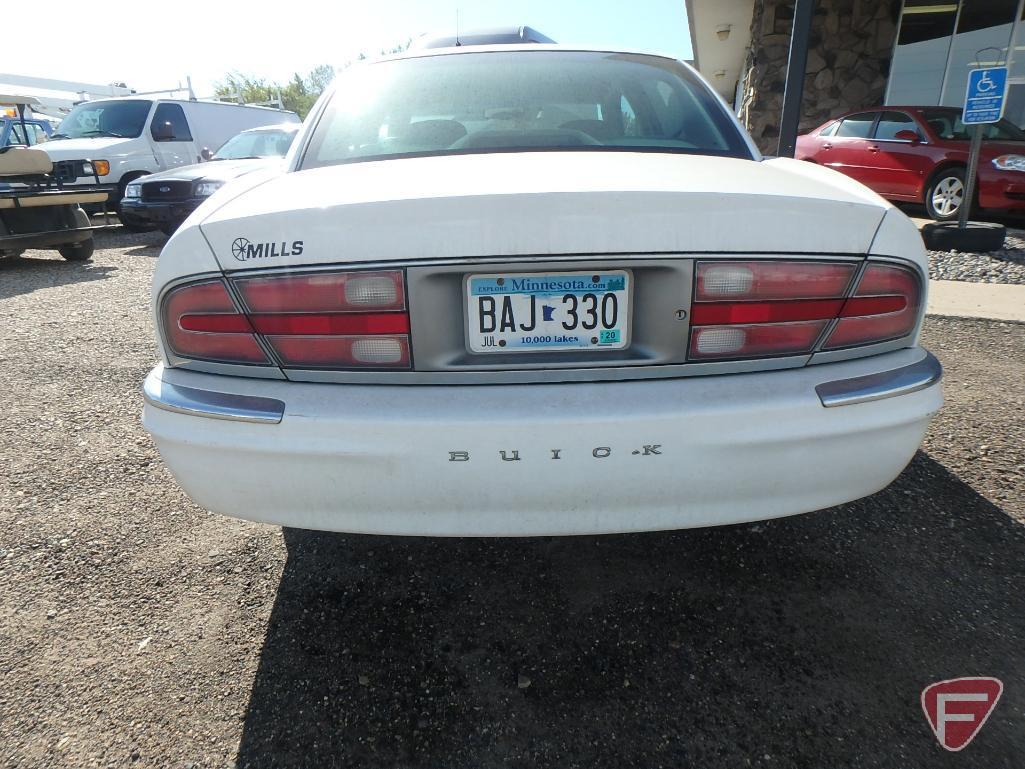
(165, 189)
(240, 248)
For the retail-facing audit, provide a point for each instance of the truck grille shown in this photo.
(166, 190)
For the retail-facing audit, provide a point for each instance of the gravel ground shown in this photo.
(139, 630)
(1004, 266)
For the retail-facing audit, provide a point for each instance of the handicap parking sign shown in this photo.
(984, 101)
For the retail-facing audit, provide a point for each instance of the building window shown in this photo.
(981, 14)
(916, 74)
(924, 20)
(983, 37)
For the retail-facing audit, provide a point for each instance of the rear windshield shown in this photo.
(946, 124)
(502, 101)
(256, 144)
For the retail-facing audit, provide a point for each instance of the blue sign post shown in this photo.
(983, 103)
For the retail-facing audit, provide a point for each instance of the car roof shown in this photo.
(484, 36)
(277, 127)
(539, 48)
(171, 99)
(896, 108)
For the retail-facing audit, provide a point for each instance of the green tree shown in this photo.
(297, 95)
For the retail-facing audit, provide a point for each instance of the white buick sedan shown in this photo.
(535, 290)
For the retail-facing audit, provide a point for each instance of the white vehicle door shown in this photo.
(171, 137)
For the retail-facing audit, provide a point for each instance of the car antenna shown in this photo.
(457, 27)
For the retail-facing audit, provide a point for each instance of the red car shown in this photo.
(919, 155)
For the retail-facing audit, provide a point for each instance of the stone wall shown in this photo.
(848, 62)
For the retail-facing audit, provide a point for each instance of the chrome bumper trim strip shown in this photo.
(215, 405)
(885, 384)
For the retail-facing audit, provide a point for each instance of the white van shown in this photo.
(128, 137)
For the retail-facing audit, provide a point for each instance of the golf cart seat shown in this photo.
(22, 161)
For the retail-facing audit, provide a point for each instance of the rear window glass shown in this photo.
(946, 124)
(890, 123)
(520, 100)
(857, 126)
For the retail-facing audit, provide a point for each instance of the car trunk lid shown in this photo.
(540, 204)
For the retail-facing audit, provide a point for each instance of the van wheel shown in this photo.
(77, 252)
(945, 194)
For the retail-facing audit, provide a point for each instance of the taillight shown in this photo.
(324, 292)
(743, 281)
(759, 309)
(885, 306)
(754, 341)
(319, 320)
(331, 319)
(201, 322)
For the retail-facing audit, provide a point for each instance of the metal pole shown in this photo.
(794, 90)
(969, 182)
(24, 128)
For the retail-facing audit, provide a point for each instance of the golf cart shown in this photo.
(35, 209)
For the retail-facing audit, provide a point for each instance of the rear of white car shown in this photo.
(537, 304)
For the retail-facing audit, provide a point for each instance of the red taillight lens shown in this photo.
(885, 306)
(342, 351)
(745, 281)
(317, 320)
(324, 292)
(201, 322)
(756, 309)
(331, 319)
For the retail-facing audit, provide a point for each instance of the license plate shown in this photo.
(546, 312)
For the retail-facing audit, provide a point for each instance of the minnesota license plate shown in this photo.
(546, 312)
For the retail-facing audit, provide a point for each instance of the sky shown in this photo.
(149, 49)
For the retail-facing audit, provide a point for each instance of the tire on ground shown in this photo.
(977, 236)
(77, 252)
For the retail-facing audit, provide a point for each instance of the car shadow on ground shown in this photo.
(149, 243)
(804, 641)
(151, 251)
(25, 274)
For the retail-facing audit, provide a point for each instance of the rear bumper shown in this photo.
(581, 458)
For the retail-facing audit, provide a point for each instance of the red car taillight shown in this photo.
(202, 322)
(760, 309)
(885, 306)
(321, 320)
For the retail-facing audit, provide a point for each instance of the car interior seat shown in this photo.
(596, 129)
(941, 128)
(434, 134)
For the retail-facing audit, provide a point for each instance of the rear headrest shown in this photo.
(22, 161)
